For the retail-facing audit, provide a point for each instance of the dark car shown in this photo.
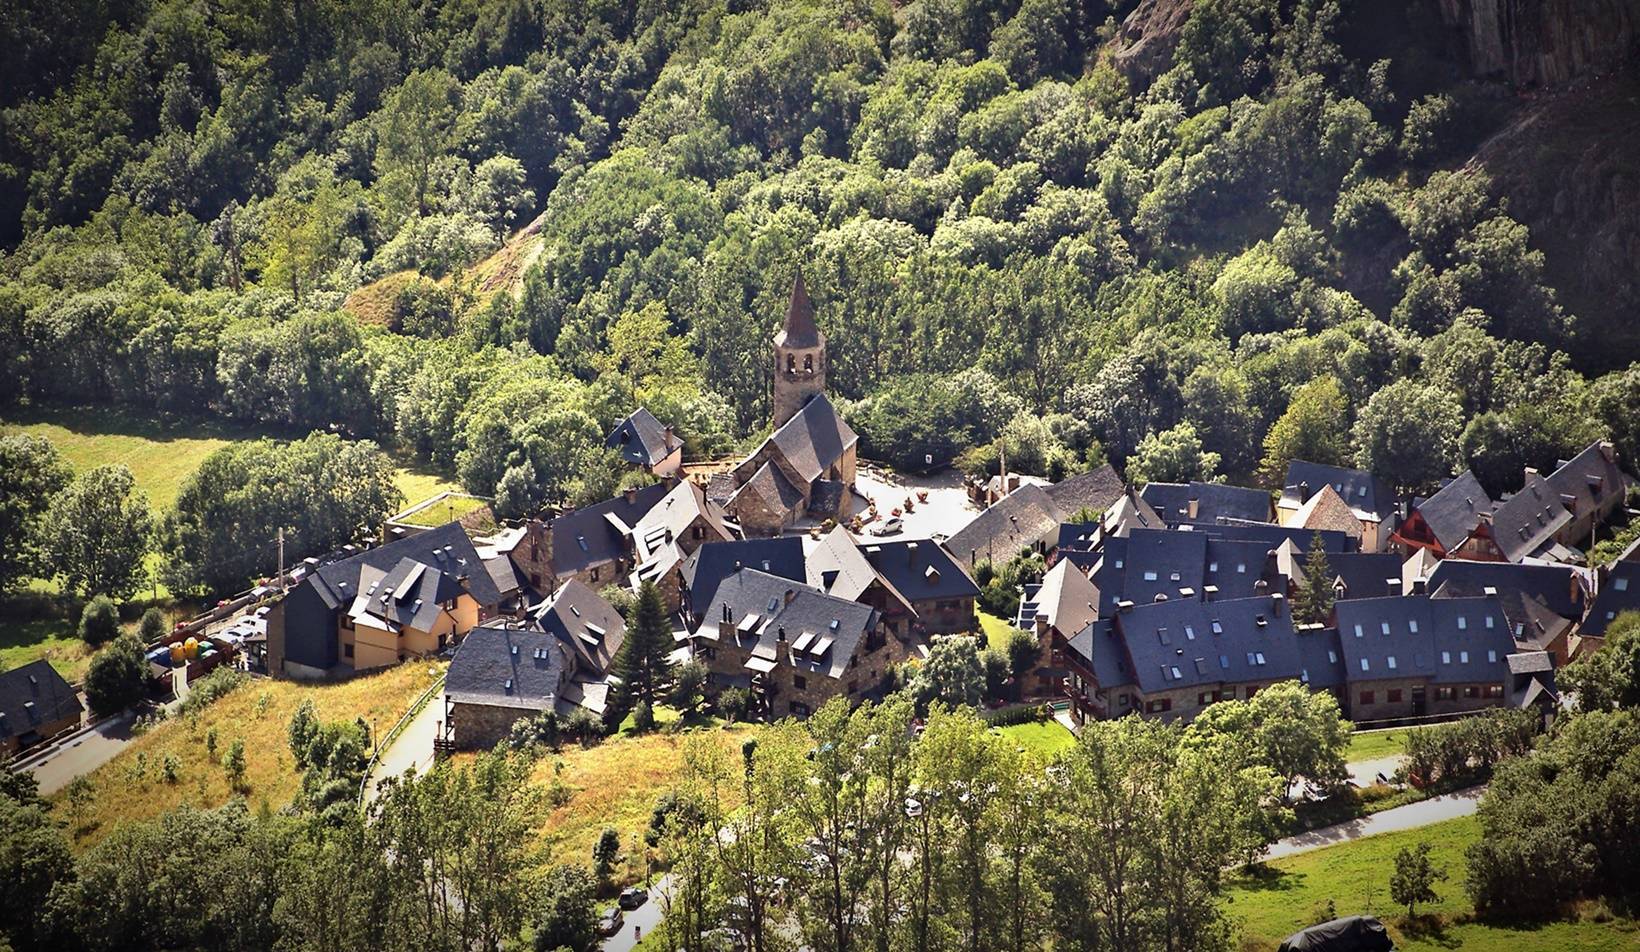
(610, 922)
(633, 896)
(1350, 934)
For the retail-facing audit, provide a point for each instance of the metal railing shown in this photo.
(398, 728)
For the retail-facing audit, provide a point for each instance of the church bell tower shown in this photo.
(799, 357)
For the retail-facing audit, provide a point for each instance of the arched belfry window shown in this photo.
(808, 363)
(791, 363)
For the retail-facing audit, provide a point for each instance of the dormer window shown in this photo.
(1462, 623)
(1412, 625)
(1621, 584)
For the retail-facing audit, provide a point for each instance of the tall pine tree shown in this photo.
(1315, 596)
(642, 664)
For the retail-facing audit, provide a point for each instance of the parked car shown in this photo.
(1350, 934)
(610, 922)
(892, 527)
(633, 896)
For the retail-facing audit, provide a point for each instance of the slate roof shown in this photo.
(1162, 562)
(1225, 561)
(799, 329)
(445, 548)
(1187, 643)
(513, 667)
(1215, 502)
(1273, 536)
(821, 632)
(1017, 521)
(1077, 537)
(921, 569)
(1099, 648)
(1619, 593)
(1320, 659)
(641, 439)
(1526, 523)
(599, 533)
(713, 562)
(836, 565)
(655, 536)
(1538, 628)
(1454, 511)
(1127, 513)
(1095, 490)
(1447, 640)
(1066, 601)
(1369, 497)
(1556, 586)
(1327, 510)
(814, 439)
(33, 697)
(409, 595)
(585, 622)
(1590, 479)
(770, 488)
(1367, 574)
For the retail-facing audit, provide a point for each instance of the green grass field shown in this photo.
(1375, 745)
(1291, 893)
(996, 630)
(1042, 739)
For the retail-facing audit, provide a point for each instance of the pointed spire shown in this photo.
(799, 330)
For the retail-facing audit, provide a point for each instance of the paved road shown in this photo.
(83, 754)
(413, 748)
(1409, 817)
(646, 918)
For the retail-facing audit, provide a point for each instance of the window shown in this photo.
(1260, 657)
(1365, 666)
(1443, 694)
(1224, 661)
(1161, 635)
(1189, 633)
(799, 709)
(1150, 576)
(1357, 631)
(1391, 661)
(791, 363)
(1621, 584)
(1369, 697)
(1393, 695)
(1177, 674)
(347, 622)
(1489, 621)
(1463, 657)
(1241, 568)
(1383, 627)
(1212, 566)
(347, 651)
(1201, 699)
(1471, 691)
(595, 574)
(1126, 701)
(800, 683)
(1218, 629)
(1119, 563)
(1250, 658)
(1446, 657)
(1412, 625)
(1462, 623)
(1158, 706)
(808, 363)
(1491, 657)
(1494, 690)
(1332, 656)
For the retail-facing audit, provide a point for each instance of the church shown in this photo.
(806, 466)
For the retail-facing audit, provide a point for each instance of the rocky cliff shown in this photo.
(1544, 42)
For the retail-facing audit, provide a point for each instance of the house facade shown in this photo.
(36, 704)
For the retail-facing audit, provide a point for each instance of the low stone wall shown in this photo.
(482, 726)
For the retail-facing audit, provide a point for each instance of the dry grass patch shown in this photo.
(615, 784)
(133, 786)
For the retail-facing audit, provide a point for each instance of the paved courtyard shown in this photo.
(947, 509)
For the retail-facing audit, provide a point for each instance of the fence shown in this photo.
(397, 729)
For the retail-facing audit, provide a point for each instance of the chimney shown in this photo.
(667, 438)
(1419, 584)
(1124, 606)
(1210, 592)
(1276, 601)
(1304, 490)
(1193, 508)
(911, 553)
(790, 594)
(780, 634)
(630, 494)
(1394, 585)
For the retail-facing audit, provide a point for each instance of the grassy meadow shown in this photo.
(1376, 745)
(132, 786)
(1288, 894)
(1043, 740)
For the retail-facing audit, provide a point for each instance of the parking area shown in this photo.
(939, 503)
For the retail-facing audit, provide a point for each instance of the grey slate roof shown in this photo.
(821, 632)
(713, 562)
(597, 533)
(1619, 593)
(1066, 600)
(1095, 490)
(640, 438)
(1077, 537)
(1526, 523)
(1320, 659)
(1447, 640)
(1371, 498)
(799, 329)
(1023, 518)
(1556, 586)
(814, 439)
(1099, 649)
(772, 490)
(586, 623)
(409, 595)
(445, 548)
(1188, 643)
(920, 569)
(513, 667)
(1367, 574)
(1590, 479)
(1215, 502)
(32, 697)
(1454, 511)
(1162, 562)
(1273, 536)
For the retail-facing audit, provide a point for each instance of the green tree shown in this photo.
(1408, 434)
(1609, 677)
(233, 763)
(1314, 428)
(642, 664)
(117, 677)
(566, 913)
(952, 673)
(31, 473)
(414, 130)
(688, 686)
(1314, 602)
(1173, 456)
(34, 858)
(152, 626)
(99, 621)
(1414, 878)
(98, 531)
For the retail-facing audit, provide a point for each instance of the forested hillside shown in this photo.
(1202, 237)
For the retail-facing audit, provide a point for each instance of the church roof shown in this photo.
(814, 439)
(800, 329)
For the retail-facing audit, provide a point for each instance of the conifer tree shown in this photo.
(1315, 597)
(642, 664)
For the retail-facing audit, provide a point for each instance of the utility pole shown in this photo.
(281, 560)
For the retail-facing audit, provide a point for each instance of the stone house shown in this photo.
(939, 590)
(1415, 656)
(647, 443)
(35, 705)
(1371, 501)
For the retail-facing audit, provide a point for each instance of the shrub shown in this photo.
(152, 627)
(99, 621)
(734, 703)
(204, 692)
(117, 677)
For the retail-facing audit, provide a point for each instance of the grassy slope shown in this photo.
(1355, 876)
(1044, 740)
(996, 630)
(123, 795)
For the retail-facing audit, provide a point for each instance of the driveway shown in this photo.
(412, 749)
(1409, 817)
(83, 753)
(646, 918)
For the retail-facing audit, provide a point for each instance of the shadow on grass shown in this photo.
(1262, 877)
(1429, 928)
(96, 420)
